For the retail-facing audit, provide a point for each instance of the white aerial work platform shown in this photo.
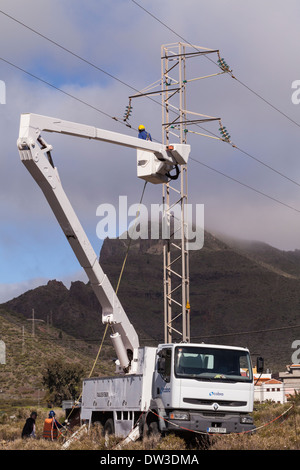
(154, 162)
(174, 387)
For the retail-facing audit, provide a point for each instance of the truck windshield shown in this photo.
(204, 363)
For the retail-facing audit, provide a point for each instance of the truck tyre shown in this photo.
(153, 428)
(109, 427)
(97, 425)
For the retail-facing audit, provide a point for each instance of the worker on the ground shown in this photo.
(51, 426)
(29, 426)
(143, 134)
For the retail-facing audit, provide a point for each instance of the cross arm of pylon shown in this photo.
(203, 135)
(225, 137)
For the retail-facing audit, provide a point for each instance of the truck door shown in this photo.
(163, 376)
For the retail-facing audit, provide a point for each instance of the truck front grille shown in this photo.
(207, 402)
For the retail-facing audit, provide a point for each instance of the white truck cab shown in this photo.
(204, 387)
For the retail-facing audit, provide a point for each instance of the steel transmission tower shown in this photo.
(175, 253)
(176, 122)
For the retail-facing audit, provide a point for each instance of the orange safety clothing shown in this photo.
(50, 429)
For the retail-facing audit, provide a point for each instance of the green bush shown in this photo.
(63, 381)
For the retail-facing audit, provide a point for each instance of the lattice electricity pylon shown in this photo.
(177, 121)
(175, 253)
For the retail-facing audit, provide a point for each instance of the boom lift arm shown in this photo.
(154, 162)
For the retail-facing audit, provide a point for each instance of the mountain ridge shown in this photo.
(241, 293)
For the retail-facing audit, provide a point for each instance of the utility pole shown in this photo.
(175, 253)
(23, 339)
(176, 121)
(33, 319)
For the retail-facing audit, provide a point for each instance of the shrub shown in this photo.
(62, 380)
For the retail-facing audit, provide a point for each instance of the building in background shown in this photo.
(291, 379)
(269, 390)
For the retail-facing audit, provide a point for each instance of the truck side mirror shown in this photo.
(260, 365)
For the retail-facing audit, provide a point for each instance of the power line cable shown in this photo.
(66, 50)
(108, 115)
(245, 185)
(124, 83)
(267, 102)
(61, 91)
(239, 81)
(266, 165)
(259, 96)
(74, 54)
(254, 158)
(251, 332)
(118, 79)
(161, 22)
(78, 57)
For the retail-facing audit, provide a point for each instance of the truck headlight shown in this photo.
(179, 415)
(246, 420)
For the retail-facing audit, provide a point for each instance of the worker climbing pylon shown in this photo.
(143, 134)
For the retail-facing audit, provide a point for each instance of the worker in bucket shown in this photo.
(51, 427)
(143, 134)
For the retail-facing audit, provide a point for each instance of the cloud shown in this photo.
(125, 41)
(9, 291)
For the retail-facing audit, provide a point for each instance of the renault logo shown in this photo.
(215, 406)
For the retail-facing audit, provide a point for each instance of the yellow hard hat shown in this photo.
(141, 127)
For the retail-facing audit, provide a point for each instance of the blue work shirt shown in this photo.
(144, 135)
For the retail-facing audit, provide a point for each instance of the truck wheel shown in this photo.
(109, 427)
(98, 428)
(153, 429)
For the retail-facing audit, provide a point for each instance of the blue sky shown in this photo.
(259, 40)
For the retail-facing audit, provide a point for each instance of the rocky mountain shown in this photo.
(241, 293)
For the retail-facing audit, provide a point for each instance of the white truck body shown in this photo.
(209, 401)
(122, 397)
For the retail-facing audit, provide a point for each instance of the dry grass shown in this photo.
(11, 425)
(273, 434)
(275, 431)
